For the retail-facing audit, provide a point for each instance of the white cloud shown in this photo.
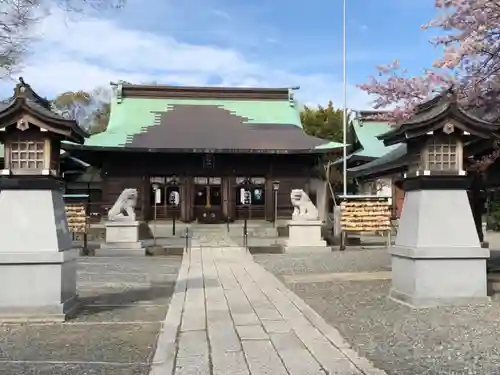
(89, 52)
(222, 14)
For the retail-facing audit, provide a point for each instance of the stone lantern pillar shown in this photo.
(437, 258)
(37, 262)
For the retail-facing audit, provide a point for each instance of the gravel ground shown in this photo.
(123, 300)
(336, 261)
(395, 338)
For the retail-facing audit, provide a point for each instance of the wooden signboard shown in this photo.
(366, 215)
(77, 217)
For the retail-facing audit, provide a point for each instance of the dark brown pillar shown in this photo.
(226, 187)
(269, 202)
(184, 199)
(187, 199)
(190, 199)
(145, 192)
(231, 202)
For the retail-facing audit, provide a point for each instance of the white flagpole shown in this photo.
(344, 122)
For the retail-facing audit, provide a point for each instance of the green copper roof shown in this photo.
(136, 115)
(392, 159)
(367, 132)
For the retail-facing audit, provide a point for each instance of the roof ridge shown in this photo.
(204, 92)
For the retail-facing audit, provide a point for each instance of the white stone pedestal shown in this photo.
(37, 262)
(122, 239)
(437, 259)
(304, 236)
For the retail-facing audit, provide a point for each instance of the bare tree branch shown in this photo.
(18, 17)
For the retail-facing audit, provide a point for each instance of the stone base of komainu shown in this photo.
(122, 230)
(122, 239)
(304, 230)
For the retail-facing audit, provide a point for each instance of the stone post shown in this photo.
(437, 258)
(37, 259)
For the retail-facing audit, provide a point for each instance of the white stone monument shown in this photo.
(437, 258)
(37, 259)
(304, 232)
(122, 228)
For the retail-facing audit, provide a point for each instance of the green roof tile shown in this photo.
(135, 115)
(367, 132)
(393, 158)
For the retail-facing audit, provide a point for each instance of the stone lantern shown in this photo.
(437, 242)
(37, 261)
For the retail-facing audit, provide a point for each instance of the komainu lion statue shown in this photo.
(303, 208)
(124, 207)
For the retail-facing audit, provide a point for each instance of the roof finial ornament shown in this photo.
(118, 89)
(21, 88)
(451, 93)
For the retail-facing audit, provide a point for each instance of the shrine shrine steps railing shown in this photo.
(259, 233)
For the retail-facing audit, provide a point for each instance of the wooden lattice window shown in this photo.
(27, 154)
(442, 154)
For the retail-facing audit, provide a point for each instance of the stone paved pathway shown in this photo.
(229, 316)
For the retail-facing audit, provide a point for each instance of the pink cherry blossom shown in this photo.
(470, 61)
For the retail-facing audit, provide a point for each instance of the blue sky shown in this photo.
(236, 43)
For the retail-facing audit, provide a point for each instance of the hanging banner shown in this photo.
(174, 198)
(245, 196)
(157, 195)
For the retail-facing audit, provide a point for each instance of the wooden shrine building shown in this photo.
(206, 144)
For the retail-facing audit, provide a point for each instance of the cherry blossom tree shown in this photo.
(470, 61)
(91, 109)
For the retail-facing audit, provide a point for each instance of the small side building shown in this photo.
(365, 149)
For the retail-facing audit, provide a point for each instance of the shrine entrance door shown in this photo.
(208, 200)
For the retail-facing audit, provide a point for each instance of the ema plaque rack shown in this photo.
(76, 206)
(365, 213)
(77, 217)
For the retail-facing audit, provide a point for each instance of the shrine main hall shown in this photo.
(206, 143)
